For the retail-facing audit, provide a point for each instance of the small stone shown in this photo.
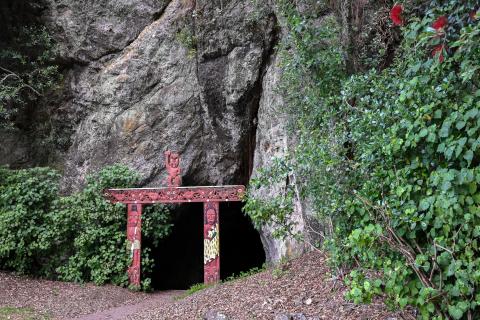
(297, 302)
(215, 315)
(290, 316)
(297, 316)
(308, 301)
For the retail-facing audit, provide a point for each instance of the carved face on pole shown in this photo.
(211, 216)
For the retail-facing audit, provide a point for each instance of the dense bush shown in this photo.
(80, 237)
(26, 199)
(390, 157)
(27, 66)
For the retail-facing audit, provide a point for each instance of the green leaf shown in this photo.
(441, 147)
(471, 114)
(455, 312)
(468, 156)
(423, 133)
(445, 129)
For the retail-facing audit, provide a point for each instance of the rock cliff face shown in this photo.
(145, 76)
(154, 75)
(273, 141)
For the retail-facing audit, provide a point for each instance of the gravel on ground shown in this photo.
(304, 287)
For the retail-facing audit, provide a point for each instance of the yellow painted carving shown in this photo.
(133, 246)
(211, 247)
(136, 245)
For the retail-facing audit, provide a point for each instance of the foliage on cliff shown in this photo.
(80, 237)
(389, 154)
(27, 67)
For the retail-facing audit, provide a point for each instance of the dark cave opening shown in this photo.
(179, 257)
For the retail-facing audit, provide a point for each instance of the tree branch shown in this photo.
(24, 84)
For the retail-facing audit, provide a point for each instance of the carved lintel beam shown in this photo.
(176, 195)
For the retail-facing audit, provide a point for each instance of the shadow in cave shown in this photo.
(179, 257)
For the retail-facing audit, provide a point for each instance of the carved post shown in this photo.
(134, 237)
(211, 242)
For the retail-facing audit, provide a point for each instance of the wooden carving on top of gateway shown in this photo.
(172, 164)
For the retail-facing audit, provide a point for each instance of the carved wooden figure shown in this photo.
(211, 242)
(173, 193)
(172, 163)
(134, 237)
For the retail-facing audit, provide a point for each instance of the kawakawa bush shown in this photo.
(80, 237)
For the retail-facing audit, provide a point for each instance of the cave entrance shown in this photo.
(210, 196)
(179, 258)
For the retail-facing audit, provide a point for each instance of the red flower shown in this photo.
(440, 23)
(438, 50)
(396, 14)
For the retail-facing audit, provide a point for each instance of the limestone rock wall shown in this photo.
(274, 141)
(154, 75)
(87, 30)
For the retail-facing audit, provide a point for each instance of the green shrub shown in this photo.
(390, 158)
(188, 40)
(26, 199)
(81, 237)
(276, 210)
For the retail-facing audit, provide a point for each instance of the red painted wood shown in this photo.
(172, 164)
(211, 242)
(175, 195)
(134, 237)
(210, 196)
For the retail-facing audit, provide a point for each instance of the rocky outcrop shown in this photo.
(86, 31)
(155, 75)
(14, 149)
(274, 141)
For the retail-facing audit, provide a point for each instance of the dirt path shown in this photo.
(26, 298)
(156, 299)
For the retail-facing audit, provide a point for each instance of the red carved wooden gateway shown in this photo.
(211, 196)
